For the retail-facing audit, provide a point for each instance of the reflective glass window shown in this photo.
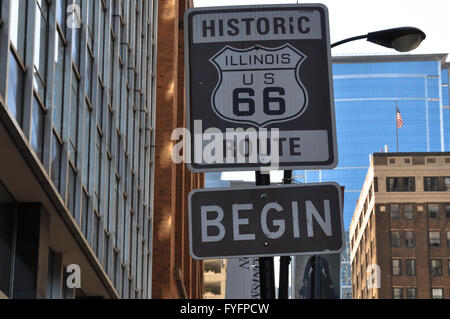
(37, 128)
(16, 77)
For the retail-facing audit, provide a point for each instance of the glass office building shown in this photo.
(76, 120)
(368, 89)
(346, 271)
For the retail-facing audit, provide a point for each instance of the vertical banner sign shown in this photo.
(243, 278)
(259, 88)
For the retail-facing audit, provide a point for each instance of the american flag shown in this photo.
(399, 119)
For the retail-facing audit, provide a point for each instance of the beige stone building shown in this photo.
(400, 231)
(214, 278)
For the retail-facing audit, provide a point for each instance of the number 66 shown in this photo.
(239, 101)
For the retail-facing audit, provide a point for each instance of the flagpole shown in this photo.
(396, 126)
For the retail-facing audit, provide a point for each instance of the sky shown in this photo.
(350, 18)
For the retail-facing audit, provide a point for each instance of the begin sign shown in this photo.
(265, 221)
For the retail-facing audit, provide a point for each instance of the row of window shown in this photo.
(411, 293)
(434, 238)
(98, 100)
(408, 184)
(407, 210)
(436, 267)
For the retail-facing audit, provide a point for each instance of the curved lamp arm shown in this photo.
(402, 39)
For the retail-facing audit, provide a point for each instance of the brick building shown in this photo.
(214, 282)
(400, 231)
(175, 274)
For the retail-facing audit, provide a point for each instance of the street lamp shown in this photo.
(402, 39)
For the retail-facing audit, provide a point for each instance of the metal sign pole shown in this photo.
(285, 260)
(266, 267)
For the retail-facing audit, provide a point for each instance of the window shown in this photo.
(61, 15)
(400, 184)
(392, 184)
(437, 293)
(89, 74)
(110, 122)
(37, 128)
(409, 239)
(447, 210)
(56, 160)
(397, 293)
(91, 22)
(18, 13)
(448, 238)
(436, 183)
(76, 39)
(74, 112)
(430, 184)
(396, 267)
(408, 211)
(96, 233)
(375, 184)
(410, 267)
(100, 106)
(102, 41)
(411, 293)
(434, 238)
(408, 184)
(395, 239)
(40, 48)
(87, 146)
(84, 213)
(71, 190)
(447, 183)
(394, 210)
(436, 267)
(448, 267)
(16, 77)
(432, 210)
(98, 172)
(58, 92)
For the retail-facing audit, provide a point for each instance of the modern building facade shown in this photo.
(215, 278)
(87, 186)
(367, 90)
(400, 234)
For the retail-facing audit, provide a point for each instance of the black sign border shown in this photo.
(245, 188)
(203, 168)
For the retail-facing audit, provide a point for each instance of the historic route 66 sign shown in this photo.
(259, 76)
(259, 69)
